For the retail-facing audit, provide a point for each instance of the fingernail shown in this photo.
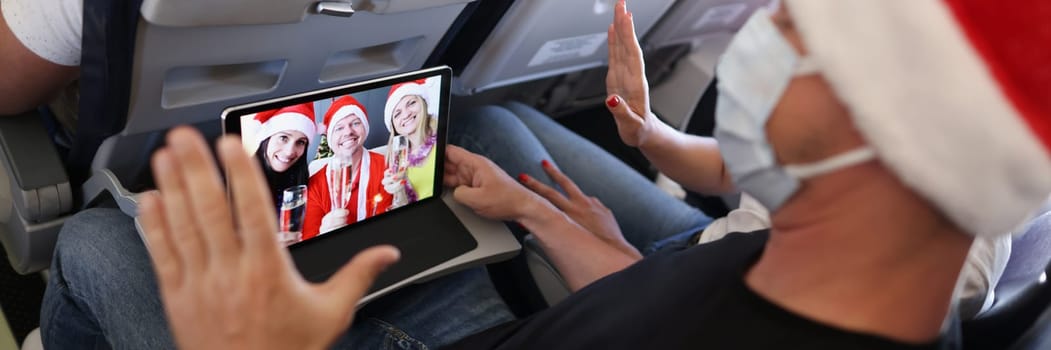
(523, 177)
(545, 163)
(613, 101)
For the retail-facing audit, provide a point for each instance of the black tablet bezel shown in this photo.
(231, 120)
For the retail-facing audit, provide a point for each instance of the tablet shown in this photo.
(342, 156)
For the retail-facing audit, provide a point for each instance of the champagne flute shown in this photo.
(293, 208)
(397, 165)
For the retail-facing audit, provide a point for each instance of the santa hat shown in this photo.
(421, 87)
(295, 117)
(954, 95)
(344, 107)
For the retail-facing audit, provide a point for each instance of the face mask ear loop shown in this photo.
(836, 162)
(806, 66)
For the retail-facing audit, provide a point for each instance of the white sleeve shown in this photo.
(50, 29)
(985, 264)
(749, 216)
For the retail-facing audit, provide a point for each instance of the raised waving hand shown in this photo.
(225, 279)
(626, 85)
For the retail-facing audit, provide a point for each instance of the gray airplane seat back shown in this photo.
(544, 38)
(194, 58)
(699, 22)
(700, 28)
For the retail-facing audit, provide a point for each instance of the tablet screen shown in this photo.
(343, 155)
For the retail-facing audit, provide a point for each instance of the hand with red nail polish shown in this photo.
(629, 95)
(484, 187)
(586, 211)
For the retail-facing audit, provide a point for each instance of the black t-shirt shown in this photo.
(692, 298)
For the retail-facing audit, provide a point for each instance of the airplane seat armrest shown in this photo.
(40, 191)
(548, 280)
(38, 178)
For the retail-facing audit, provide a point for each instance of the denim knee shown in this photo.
(93, 241)
(482, 122)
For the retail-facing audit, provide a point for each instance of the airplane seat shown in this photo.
(544, 38)
(1022, 294)
(184, 63)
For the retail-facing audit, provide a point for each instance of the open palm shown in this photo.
(225, 279)
(626, 80)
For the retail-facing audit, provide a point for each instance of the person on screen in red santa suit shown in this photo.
(283, 137)
(340, 193)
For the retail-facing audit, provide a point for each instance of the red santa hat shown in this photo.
(954, 95)
(425, 88)
(295, 117)
(343, 107)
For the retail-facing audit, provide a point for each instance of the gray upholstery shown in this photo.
(544, 38)
(694, 21)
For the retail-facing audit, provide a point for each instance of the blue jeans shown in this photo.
(103, 294)
(517, 138)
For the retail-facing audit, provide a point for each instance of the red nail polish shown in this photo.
(613, 101)
(523, 177)
(545, 163)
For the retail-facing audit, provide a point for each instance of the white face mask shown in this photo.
(753, 74)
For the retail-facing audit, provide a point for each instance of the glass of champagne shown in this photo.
(397, 165)
(338, 178)
(293, 208)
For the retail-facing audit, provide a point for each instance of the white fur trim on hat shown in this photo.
(288, 121)
(923, 97)
(346, 111)
(426, 91)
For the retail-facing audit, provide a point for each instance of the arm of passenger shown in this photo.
(692, 161)
(27, 80)
(580, 257)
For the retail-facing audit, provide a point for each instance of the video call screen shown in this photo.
(337, 161)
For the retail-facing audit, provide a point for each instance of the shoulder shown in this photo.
(319, 176)
(377, 161)
(51, 29)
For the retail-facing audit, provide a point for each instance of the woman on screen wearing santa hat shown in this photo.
(412, 111)
(284, 136)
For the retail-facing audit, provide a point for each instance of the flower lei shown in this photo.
(417, 158)
(410, 193)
